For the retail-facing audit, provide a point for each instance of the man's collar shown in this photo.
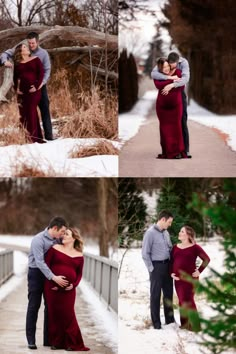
(46, 233)
(158, 228)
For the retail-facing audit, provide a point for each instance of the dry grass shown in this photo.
(101, 148)
(61, 102)
(11, 132)
(28, 171)
(97, 118)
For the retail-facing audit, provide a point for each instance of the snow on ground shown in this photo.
(104, 318)
(136, 335)
(20, 265)
(129, 123)
(54, 158)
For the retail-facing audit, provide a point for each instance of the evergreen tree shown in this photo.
(128, 82)
(219, 331)
(170, 200)
(200, 29)
(132, 212)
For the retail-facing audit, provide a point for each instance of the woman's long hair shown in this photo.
(79, 243)
(160, 63)
(18, 53)
(191, 233)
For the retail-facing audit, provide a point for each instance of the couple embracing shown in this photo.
(170, 76)
(166, 263)
(55, 269)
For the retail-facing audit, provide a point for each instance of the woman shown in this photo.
(169, 110)
(184, 273)
(66, 259)
(28, 78)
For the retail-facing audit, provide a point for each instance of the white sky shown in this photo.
(139, 34)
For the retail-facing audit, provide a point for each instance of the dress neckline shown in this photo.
(29, 60)
(185, 247)
(67, 254)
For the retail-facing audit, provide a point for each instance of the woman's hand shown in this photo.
(55, 288)
(174, 77)
(32, 88)
(19, 92)
(174, 276)
(196, 273)
(69, 287)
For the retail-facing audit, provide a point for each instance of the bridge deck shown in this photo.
(12, 325)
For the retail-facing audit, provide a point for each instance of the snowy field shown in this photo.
(53, 159)
(129, 123)
(136, 335)
(90, 246)
(104, 319)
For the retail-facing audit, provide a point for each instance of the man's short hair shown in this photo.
(58, 222)
(32, 35)
(165, 214)
(173, 57)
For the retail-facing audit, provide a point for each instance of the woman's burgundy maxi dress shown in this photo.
(169, 109)
(184, 262)
(63, 329)
(29, 73)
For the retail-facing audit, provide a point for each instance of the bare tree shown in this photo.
(103, 15)
(24, 12)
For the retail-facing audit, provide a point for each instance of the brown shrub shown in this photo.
(101, 148)
(97, 118)
(11, 132)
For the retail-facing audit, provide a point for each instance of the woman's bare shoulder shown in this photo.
(79, 253)
(57, 246)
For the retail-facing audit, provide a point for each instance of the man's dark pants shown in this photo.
(35, 291)
(184, 122)
(161, 281)
(45, 113)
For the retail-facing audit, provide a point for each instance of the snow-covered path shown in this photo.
(212, 139)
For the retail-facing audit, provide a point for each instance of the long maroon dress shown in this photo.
(63, 329)
(169, 109)
(29, 73)
(184, 262)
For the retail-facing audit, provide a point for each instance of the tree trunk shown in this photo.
(102, 193)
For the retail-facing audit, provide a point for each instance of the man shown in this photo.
(37, 272)
(156, 255)
(36, 50)
(175, 61)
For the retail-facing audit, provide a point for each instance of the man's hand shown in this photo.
(8, 64)
(196, 273)
(60, 280)
(32, 88)
(166, 89)
(174, 276)
(19, 92)
(69, 287)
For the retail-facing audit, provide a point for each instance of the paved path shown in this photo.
(12, 326)
(211, 156)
